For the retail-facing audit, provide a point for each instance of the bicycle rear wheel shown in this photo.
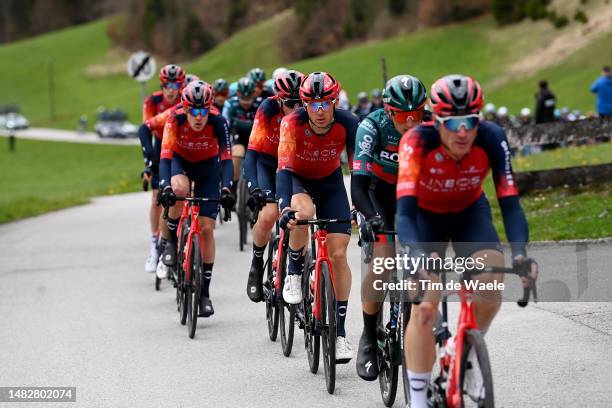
(270, 292)
(286, 312)
(387, 354)
(195, 285)
(312, 340)
(328, 327)
(476, 377)
(404, 318)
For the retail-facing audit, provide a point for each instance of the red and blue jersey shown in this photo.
(152, 106)
(265, 134)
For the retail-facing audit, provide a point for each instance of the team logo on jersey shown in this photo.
(366, 146)
(389, 156)
(438, 156)
(307, 133)
(357, 165)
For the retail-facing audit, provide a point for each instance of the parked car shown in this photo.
(14, 121)
(114, 123)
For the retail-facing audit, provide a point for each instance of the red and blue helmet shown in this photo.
(456, 95)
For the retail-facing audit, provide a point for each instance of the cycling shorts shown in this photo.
(266, 176)
(206, 176)
(470, 230)
(240, 139)
(329, 196)
(155, 166)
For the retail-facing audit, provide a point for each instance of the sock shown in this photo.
(341, 306)
(296, 261)
(369, 325)
(207, 275)
(258, 252)
(418, 389)
(234, 187)
(172, 227)
(154, 244)
(162, 244)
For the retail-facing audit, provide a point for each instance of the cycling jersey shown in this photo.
(195, 146)
(263, 145)
(154, 104)
(303, 153)
(430, 180)
(156, 123)
(240, 122)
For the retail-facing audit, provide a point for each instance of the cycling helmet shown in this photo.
(191, 77)
(362, 96)
(525, 112)
(278, 71)
(319, 85)
(172, 73)
(404, 92)
(502, 111)
(257, 75)
(220, 86)
(489, 108)
(287, 84)
(376, 93)
(246, 87)
(456, 95)
(197, 94)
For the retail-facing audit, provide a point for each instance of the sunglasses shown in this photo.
(290, 103)
(249, 98)
(455, 123)
(174, 85)
(323, 105)
(404, 116)
(197, 112)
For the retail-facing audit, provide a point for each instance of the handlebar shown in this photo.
(258, 208)
(197, 200)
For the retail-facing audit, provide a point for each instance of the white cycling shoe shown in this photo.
(473, 382)
(344, 350)
(292, 290)
(151, 263)
(162, 270)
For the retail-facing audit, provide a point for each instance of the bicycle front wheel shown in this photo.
(312, 340)
(404, 318)
(328, 327)
(286, 312)
(476, 380)
(243, 219)
(388, 352)
(269, 291)
(195, 285)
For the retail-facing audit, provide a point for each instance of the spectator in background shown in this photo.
(377, 102)
(545, 104)
(602, 87)
(525, 117)
(503, 119)
(362, 109)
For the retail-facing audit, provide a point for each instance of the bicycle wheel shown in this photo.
(195, 285)
(178, 271)
(286, 312)
(404, 318)
(242, 212)
(328, 327)
(312, 341)
(386, 352)
(476, 380)
(269, 291)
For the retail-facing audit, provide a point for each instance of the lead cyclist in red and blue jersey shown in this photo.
(260, 166)
(440, 198)
(309, 174)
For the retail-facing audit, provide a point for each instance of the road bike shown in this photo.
(319, 305)
(459, 371)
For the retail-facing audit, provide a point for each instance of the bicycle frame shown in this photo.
(190, 209)
(320, 255)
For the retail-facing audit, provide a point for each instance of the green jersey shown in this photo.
(376, 147)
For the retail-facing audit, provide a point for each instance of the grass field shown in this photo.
(476, 47)
(44, 176)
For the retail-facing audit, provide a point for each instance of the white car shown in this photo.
(14, 121)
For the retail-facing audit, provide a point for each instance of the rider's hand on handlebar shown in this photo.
(257, 199)
(227, 199)
(529, 265)
(288, 218)
(167, 198)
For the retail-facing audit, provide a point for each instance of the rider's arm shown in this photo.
(148, 109)
(258, 134)
(146, 141)
(366, 143)
(227, 112)
(351, 133)
(170, 130)
(286, 157)
(410, 151)
(225, 153)
(515, 223)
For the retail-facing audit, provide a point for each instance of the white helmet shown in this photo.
(278, 71)
(489, 108)
(502, 111)
(525, 112)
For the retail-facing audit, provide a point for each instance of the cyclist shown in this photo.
(191, 77)
(239, 112)
(363, 106)
(260, 167)
(309, 173)
(172, 78)
(439, 189)
(221, 88)
(196, 147)
(373, 185)
(377, 102)
(258, 76)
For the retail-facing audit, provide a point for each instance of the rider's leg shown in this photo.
(337, 244)
(261, 234)
(238, 151)
(488, 302)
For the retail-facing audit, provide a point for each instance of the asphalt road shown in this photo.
(61, 135)
(76, 309)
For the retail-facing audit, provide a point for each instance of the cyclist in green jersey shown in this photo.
(373, 187)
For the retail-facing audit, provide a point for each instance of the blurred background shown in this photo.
(64, 67)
